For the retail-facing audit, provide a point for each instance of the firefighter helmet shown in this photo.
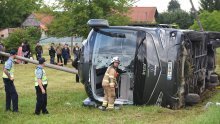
(115, 59)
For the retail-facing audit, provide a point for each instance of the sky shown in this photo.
(160, 4)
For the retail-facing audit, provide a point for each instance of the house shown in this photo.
(34, 20)
(38, 20)
(143, 14)
(4, 33)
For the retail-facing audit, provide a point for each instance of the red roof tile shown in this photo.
(142, 14)
(44, 18)
(39, 20)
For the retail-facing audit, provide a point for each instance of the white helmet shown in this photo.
(114, 59)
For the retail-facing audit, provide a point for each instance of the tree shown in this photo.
(210, 5)
(78, 12)
(63, 25)
(31, 35)
(175, 15)
(173, 5)
(46, 9)
(210, 21)
(13, 12)
(180, 17)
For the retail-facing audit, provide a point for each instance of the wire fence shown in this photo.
(62, 40)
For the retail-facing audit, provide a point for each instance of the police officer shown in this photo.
(8, 79)
(41, 88)
(109, 84)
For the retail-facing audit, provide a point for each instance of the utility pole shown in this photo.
(65, 69)
(71, 45)
(196, 16)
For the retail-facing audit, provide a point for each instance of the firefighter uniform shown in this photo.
(109, 84)
(10, 90)
(41, 97)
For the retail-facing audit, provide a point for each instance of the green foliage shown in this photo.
(173, 5)
(13, 12)
(210, 5)
(175, 15)
(77, 13)
(31, 35)
(209, 20)
(180, 17)
(15, 39)
(62, 25)
(46, 10)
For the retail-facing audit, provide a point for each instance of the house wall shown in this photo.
(4, 33)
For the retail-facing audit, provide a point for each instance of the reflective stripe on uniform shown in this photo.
(106, 81)
(104, 103)
(112, 84)
(110, 106)
(111, 76)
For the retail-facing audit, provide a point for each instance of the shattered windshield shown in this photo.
(114, 42)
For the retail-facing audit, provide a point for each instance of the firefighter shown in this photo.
(109, 84)
(41, 88)
(8, 79)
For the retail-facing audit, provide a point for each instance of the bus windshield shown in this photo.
(114, 42)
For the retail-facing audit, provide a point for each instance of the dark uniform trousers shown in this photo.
(41, 100)
(38, 56)
(11, 94)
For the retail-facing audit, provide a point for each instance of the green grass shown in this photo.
(210, 116)
(65, 105)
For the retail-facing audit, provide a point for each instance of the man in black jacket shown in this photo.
(76, 51)
(52, 53)
(39, 51)
(26, 50)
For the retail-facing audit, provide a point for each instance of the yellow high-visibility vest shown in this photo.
(10, 71)
(44, 78)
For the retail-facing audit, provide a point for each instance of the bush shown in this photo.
(180, 17)
(209, 20)
(31, 35)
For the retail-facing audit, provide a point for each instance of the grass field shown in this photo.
(65, 105)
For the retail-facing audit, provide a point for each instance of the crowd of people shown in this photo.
(59, 54)
(41, 81)
(109, 82)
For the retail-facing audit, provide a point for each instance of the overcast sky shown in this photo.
(160, 4)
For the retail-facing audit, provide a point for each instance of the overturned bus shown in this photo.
(161, 66)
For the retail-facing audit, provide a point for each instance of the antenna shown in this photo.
(196, 16)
